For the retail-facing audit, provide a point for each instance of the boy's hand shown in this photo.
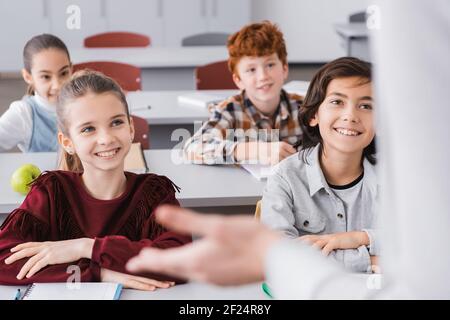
(46, 253)
(343, 240)
(133, 282)
(264, 152)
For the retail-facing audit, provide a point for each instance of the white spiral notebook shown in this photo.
(73, 291)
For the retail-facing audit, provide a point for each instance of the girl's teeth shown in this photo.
(107, 154)
(347, 132)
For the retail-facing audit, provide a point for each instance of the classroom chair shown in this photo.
(358, 17)
(214, 76)
(117, 39)
(127, 75)
(206, 39)
(142, 131)
(258, 210)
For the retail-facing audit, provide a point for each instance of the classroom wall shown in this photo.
(308, 25)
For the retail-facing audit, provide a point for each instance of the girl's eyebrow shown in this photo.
(120, 115)
(47, 71)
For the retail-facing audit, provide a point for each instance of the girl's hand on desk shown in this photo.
(342, 240)
(46, 253)
(133, 282)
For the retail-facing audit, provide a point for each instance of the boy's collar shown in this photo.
(282, 109)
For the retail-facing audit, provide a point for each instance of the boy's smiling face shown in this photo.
(262, 79)
(345, 117)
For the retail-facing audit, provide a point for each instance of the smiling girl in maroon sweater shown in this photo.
(93, 215)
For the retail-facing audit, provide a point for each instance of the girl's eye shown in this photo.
(87, 130)
(270, 65)
(117, 122)
(65, 73)
(46, 77)
(366, 106)
(251, 70)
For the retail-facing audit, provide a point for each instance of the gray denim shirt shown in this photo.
(298, 201)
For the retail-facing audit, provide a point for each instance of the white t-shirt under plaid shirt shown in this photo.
(236, 120)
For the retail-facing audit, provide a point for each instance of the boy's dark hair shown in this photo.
(340, 68)
(36, 45)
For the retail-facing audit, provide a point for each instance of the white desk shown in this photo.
(201, 185)
(165, 115)
(162, 107)
(163, 68)
(165, 109)
(189, 291)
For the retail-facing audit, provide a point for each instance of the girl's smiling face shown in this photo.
(345, 117)
(50, 68)
(99, 131)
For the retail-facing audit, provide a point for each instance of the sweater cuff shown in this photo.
(96, 271)
(96, 251)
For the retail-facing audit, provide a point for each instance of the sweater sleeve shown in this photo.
(113, 252)
(22, 226)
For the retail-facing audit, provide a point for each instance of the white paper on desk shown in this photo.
(259, 171)
(200, 99)
(298, 87)
(71, 291)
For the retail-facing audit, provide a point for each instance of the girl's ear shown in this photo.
(132, 131)
(65, 142)
(27, 76)
(238, 82)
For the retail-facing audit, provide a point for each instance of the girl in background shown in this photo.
(30, 123)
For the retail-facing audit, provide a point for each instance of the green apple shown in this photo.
(23, 176)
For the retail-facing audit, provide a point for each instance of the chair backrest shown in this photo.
(117, 39)
(206, 39)
(142, 131)
(127, 75)
(258, 210)
(214, 76)
(357, 17)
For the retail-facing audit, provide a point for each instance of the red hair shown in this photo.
(256, 40)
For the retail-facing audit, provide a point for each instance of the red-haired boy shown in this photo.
(261, 123)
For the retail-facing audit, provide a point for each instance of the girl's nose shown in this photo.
(105, 138)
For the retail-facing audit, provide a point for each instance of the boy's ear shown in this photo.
(285, 72)
(238, 82)
(314, 121)
(27, 76)
(65, 142)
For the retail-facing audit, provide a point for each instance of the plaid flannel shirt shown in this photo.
(236, 120)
